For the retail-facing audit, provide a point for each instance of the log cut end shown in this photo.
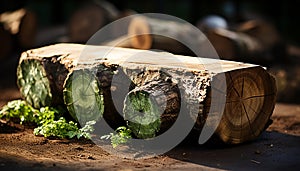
(139, 33)
(142, 114)
(83, 96)
(33, 83)
(40, 79)
(250, 100)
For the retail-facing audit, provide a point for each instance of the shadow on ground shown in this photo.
(272, 151)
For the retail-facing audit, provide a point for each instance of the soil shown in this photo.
(276, 149)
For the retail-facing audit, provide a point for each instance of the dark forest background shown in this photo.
(284, 14)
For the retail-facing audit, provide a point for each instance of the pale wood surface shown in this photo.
(76, 53)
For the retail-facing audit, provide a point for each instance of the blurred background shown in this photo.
(261, 32)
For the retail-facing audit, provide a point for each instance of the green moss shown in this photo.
(142, 114)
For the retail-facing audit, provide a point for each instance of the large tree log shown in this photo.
(90, 18)
(150, 33)
(252, 41)
(264, 31)
(232, 45)
(250, 95)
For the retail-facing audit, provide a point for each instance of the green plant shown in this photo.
(48, 119)
(121, 136)
(63, 129)
(48, 114)
(20, 110)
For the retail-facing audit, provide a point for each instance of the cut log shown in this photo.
(85, 22)
(249, 104)
(151, 109)
(231, 45)
(250, 95)
(90, 18)
(274, 47)
(264, 31)
(253, 41)
(51, 76)
(41, 74)
(150, 33)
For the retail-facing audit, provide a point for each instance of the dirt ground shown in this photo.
(277, 148)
